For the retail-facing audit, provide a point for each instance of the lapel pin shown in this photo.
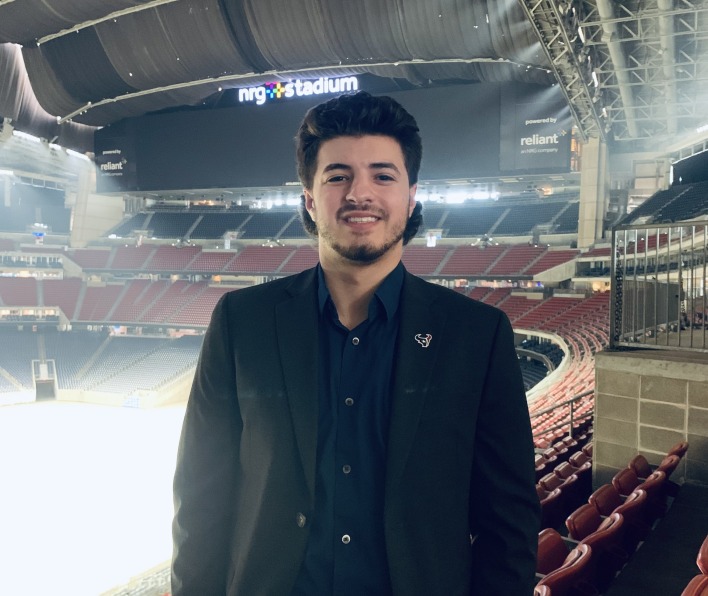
(423, 340)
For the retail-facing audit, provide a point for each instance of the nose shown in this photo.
(359, 191)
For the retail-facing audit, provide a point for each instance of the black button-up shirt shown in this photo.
(346, 551)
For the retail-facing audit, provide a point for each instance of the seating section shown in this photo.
(259, 259)
(131, 258)
(167, 258)
(303, 258)
(678, 203)
(471, 219)
(18, 291)
(423, 260)
(267, 225)
(481, 260)
(515, 260)
(62, 293)
(471, 260)
(522, 218)
(611, 525)
(567, 220)
(550, 259)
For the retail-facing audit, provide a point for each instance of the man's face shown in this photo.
(360, 199)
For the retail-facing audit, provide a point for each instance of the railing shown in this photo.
(573, 417)
(659, 287)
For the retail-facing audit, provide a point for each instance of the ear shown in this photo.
(411, 199)
(309, 203)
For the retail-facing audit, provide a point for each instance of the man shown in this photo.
(354, 429)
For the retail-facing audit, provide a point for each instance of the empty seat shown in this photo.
(698, 586)
(608, 553)
(643, 469)
(553, 509)
(679, 449)
(640, 466)
(605, 499)
(584, 483)
(625, 481)
(702, 558)
(656, 488)
(579, 458)
(669, 464)
(551, 481)
(583, 521)
(574, 576)
(552, 551)
(637, 524)
(564, 470)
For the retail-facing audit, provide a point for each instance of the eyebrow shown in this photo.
(377, 165)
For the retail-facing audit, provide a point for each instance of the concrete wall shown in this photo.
(645, 402)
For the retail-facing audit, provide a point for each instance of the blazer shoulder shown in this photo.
(271, 291)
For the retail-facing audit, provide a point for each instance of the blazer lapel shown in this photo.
(296, 319)
(418, 349)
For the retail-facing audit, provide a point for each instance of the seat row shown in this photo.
(604, 533)
(564, 488)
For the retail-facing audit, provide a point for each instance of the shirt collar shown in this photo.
(387, 294)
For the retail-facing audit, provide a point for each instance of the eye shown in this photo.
(385, 177)
(337, 178)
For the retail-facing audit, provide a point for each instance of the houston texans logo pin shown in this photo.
(423, 340)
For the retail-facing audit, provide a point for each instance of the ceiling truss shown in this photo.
(635, 70)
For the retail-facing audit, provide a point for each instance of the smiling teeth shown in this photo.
(361, 219)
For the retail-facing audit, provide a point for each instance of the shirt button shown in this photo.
(346, 539)
(349, 401)
(355, 341)
(301, 519)
(346, 468)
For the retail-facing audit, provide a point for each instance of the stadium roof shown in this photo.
(630, 70)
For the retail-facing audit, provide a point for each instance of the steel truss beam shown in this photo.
(555, 25)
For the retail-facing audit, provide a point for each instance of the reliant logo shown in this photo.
(112, 166)
(540, 140)
(297, 88)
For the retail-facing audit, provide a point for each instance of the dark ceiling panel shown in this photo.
(26, 21)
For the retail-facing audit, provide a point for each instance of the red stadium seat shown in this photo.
(702, 558)
(679, 449)
(607, 546)
(640, 466)
(656, 488)
(634, 511)
(552, 551)
(574, 577)
(579, 458)
(698, 586)
(605, 499)
(583, 521)
(552, 509)
(625, 481)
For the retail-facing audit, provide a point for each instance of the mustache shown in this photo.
(342, 211)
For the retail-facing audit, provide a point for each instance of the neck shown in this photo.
(352, 286)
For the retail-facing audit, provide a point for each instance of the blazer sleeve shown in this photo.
(504, 506)
(206, 469)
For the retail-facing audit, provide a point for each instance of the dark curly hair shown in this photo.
(358, 114)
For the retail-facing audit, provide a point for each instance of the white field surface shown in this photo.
(85, 495)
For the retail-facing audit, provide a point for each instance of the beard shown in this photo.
(363, 254)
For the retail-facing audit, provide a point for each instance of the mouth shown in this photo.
(361, 219)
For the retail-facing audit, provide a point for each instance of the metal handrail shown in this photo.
(571, 419)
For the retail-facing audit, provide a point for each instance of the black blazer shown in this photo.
(461, 510)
